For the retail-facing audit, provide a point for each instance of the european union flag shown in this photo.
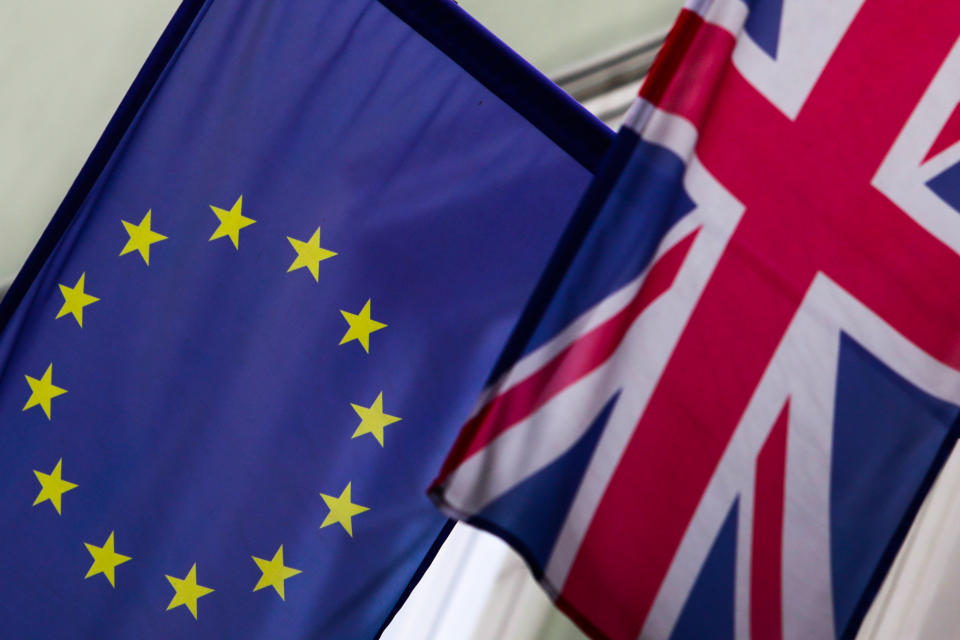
(253, 329)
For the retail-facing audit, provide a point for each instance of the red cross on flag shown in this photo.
(741, 371)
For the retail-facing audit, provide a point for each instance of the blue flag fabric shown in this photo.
(225, 389)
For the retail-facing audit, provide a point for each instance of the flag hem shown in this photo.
(418, 574)
(511, 78)
(605, 177)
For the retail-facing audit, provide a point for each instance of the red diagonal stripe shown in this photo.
(948, 136)
(766, 587)
(684, 79)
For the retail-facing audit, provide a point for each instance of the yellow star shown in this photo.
(231, 221)
(361, 326)
(309, 254)
(75, 299)
(373, 419)
(274, 573)
(341, 510)
(141, 237)
(187, 591)
(52, 486)
(105, 559)
(42, 391)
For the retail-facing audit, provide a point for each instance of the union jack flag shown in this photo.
(742, 369)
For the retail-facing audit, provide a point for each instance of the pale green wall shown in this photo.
(64, 67)
(555, 34)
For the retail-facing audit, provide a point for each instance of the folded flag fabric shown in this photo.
(742, 371)
(250, 336)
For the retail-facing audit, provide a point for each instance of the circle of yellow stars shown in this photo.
(341, 509)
